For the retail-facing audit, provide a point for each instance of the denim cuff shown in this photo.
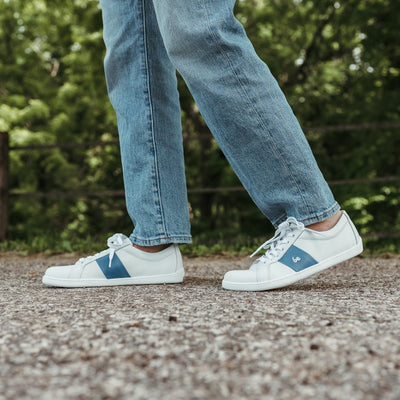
(179, 239)
(313, 218)
(321, 216)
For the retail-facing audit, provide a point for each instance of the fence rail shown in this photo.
(307, 130)
(4, 167)
(121, 193)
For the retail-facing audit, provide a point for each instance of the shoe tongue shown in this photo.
(273, 253)
(117, 240)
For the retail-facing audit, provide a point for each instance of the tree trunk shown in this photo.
(3, 184)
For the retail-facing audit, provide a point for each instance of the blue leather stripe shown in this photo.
(117, 269)
(297, 259)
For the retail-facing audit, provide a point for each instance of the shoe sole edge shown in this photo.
(176, 277)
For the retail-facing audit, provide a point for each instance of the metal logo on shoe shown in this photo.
(117, 269)
(297, 259)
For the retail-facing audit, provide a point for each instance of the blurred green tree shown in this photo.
(336, 62)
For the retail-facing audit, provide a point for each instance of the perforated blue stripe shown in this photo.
(297, 259)
(117, 269)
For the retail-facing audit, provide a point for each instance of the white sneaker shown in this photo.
(295, 253)
(120, 264)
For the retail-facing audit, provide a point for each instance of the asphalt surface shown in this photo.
(333, 336)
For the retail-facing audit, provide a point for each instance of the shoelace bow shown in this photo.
(274, 245)
(114, 242)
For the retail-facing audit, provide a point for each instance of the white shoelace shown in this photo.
(114, 242)
(276, 245)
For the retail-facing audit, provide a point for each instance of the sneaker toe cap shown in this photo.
(241, 276)
(58, 271)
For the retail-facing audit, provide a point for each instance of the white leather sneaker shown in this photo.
(295, 253)
(120, 264)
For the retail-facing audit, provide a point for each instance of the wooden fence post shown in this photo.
(4, 165)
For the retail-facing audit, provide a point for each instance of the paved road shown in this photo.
(335, 336)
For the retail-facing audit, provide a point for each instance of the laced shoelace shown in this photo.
(114, 242)
(276, 245)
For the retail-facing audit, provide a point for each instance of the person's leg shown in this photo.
(245, 109)
(261, 138)
(142, 88)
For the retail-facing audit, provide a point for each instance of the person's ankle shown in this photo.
(326, 224)
(152, 249)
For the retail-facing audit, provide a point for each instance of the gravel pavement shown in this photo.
(333, 336)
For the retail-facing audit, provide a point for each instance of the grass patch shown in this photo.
(240, 246)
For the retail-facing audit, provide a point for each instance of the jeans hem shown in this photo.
(279, 220)
(161, 240)
(313, 218)
(322, 216)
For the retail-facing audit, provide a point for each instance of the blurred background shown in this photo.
(61, 185)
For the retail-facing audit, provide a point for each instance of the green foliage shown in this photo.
(336, 62)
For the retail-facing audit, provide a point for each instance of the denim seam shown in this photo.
(157, 175)
(160, 240)
(177, 235)
(276, 152)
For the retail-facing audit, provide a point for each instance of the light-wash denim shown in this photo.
(241, 102)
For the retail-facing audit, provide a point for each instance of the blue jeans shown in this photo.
(240, 100)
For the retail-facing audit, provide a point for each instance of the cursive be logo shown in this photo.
(295, 260)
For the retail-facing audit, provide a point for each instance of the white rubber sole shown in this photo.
(296, 276)
(176, 277)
